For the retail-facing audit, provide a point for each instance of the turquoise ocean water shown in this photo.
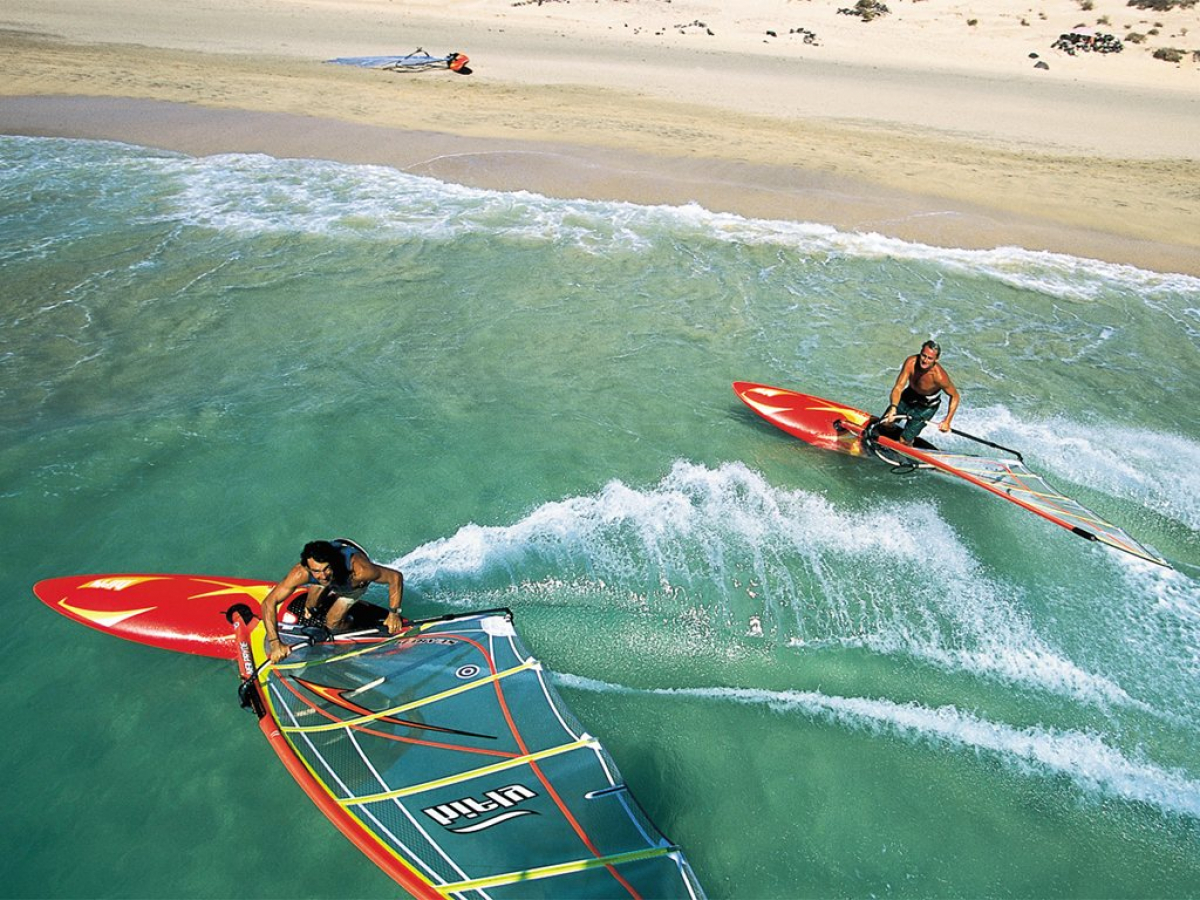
(523, 401)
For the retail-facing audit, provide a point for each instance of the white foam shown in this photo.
(251, 193)
(726, 541)
(256, 193)
(1155, 469)
(1091, 763)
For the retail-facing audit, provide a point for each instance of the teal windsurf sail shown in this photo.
(446, 754)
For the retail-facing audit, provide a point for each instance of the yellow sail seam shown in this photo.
(586, 741)
(553, 871)
(358, 721)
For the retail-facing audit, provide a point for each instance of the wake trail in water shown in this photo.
(789, 562)
(1090, 763)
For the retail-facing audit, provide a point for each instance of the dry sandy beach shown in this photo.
(931, 123)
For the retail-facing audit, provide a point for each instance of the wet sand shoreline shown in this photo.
(1112, 192)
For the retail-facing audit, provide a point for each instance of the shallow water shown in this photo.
(522, 401)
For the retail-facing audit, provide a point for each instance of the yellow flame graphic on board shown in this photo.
(120, 582)
(255, 592)
(106, 618)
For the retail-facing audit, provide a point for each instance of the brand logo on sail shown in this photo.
(476, 813)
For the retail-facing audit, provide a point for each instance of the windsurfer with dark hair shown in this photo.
(917, 393)
(337, 573)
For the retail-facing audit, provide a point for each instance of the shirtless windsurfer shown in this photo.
(917, 393)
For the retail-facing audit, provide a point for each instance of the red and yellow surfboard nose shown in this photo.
(811, 419)
(185, 613)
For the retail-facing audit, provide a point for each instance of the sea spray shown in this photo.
(1089, 762)
(741, 549)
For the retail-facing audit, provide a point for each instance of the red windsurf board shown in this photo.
(812, 419)
(185, 613)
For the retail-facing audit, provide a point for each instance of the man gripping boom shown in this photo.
(337, 571)
(917, 393)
